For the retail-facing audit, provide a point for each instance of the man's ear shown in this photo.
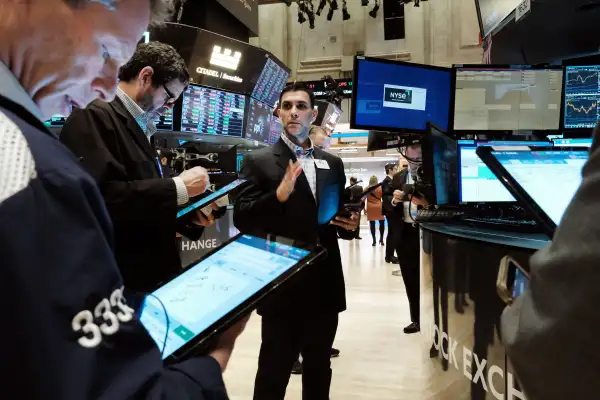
(315, 113)
(145, 76)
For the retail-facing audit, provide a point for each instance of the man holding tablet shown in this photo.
(72, 335)
(295, 190)
(118, 150)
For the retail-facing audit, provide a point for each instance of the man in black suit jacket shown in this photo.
(388, 211)
(295, 190)
(115, 145)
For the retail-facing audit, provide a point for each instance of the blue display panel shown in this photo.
(582, 92)
(394, 96)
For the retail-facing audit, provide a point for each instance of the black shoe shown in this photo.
(374, 244)
(335, 353)
(358, 238)
(433, 352)
(393, 260)
(381, 243)
(412, 328)
(297, 368)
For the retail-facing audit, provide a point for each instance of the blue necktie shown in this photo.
(304, 153)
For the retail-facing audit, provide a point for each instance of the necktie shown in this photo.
(304, 153)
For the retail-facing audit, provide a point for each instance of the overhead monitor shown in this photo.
(271, 82)
(507, 98)
(321, 92)
(165, 121)
(491, 13)
(397, 96)
(476, 183)
(582, 93)
(212, 112)
(258, 121)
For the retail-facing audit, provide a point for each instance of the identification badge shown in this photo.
(321, 164)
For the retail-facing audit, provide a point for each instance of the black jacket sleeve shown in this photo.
(343, 233)
(92, 136)
(71, 334)
(257, 204)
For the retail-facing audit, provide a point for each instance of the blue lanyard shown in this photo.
(159, 167)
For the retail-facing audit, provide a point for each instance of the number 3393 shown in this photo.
(105, 319)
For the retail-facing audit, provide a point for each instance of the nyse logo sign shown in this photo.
(398, 95)
(225, 58)
(409, 98)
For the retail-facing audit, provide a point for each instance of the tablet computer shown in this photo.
(211, 295)
(543, 180)
(206, 200)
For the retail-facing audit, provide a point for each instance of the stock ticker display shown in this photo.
(165, 121)
(258, 123)
(212, 112)
(582, 92)
(270, 83)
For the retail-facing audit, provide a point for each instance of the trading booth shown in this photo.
(472, 122)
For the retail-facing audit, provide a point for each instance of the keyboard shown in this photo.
(439, 215)
(503, 224)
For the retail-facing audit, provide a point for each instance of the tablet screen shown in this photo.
(211, 197)
(209, 290)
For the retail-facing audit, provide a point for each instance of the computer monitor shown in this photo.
(240, 158)
(165, 121)
(258, 121)
(491, 13)
(397, 96)
(582, 94)
(440, 166)
(275, 132)
(213, 112)
(57, 121)
(507, 98)
(270, 83)
(573, 142)
(476, 183)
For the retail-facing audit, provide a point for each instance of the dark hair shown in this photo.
(389, 167)
(163, 58)
(298, 87)
(316, 128)
(161, 11)
(353, 180)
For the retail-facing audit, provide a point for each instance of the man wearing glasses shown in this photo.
(118, 150)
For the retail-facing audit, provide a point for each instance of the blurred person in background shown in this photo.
(374, 211)
(319, 137)
(388, 212)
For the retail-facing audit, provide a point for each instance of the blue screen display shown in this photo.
(394, 96)
(209, 290)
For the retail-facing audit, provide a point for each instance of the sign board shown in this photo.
(523, 10)
(246, 11)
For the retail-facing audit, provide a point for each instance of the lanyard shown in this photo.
(159, 167)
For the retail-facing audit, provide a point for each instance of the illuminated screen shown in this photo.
(520, 284)
(582, 93)
(477, 183)
(540, 173)
(212, 112)
(392, 96)
(270, 83)
(209, 290)
(56, 121)
(165, 121)
(258, 122)
(572, 142)
(500, 99)
(240, 158)
(276, 129)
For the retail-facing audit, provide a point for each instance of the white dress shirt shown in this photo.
(307, 162)
(149, 128)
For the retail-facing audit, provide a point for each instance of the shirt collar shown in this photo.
(12, 89)
(141, 117)
(298, 149)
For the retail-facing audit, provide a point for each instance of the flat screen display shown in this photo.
(493, 12)
(550, 178)
(56, 121)
(258, 121)
(276, 129)
(445, 167)
(212, 112)
(477, 183)
(165, 121)
(507, 99)
(270, 83)
(582, 93)
(573, 142)
(393, 96)
(211, 197)
(206, 292)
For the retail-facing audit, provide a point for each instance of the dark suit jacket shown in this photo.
(319, 288)
(387, 195)
(143, 206)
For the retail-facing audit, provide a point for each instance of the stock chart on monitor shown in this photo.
(212, 112)
(502, 99)
(270, 83)
(582, 92)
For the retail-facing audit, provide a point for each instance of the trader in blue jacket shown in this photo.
(67, 331)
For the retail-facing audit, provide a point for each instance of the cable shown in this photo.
(162, 352)
(413, 160)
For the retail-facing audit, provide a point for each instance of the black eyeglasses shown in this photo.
(170, 100)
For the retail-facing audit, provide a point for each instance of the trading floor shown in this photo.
(377, 361)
